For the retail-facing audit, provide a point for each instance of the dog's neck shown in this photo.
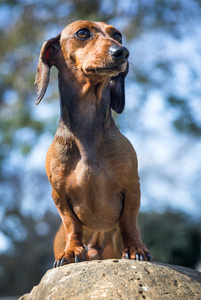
(84, 108)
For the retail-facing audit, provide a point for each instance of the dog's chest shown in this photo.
(95, 196)
(92, 178)
(90, 183)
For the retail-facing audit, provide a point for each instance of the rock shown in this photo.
(118, 279)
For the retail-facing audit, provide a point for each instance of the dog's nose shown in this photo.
(119, 53)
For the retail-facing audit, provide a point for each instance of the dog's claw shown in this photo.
(85, 247)
(58, 263)
(55, 264)
(126, 256)
(62, 261)
(141, 257)
(77, 259)
(149, 256)
(86, 250)
(137, 256)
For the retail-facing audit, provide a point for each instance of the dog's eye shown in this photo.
(83, 34)
(117, 36)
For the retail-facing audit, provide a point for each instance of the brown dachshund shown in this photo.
(91, 166)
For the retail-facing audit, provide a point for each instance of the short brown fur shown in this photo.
(91, 166)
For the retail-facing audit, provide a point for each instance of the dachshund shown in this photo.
(91, 166)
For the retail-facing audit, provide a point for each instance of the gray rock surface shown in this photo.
(118, 279)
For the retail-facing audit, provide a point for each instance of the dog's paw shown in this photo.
(77, 254)
(136, 253)
(93, 253)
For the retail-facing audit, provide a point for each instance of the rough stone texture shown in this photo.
(118, 279)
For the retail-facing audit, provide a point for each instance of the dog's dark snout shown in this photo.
(119, 53)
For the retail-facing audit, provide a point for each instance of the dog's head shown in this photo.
(88, 49)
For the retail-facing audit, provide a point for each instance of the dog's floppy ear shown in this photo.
(47, 54)
(117, 94)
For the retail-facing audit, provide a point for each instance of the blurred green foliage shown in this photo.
(171, 238)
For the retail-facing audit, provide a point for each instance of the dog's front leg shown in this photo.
(74, 250)
(132, 246)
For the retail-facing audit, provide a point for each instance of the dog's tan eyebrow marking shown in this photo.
(111, 30)
(92, 29)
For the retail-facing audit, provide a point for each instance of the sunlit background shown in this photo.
(162, 119)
